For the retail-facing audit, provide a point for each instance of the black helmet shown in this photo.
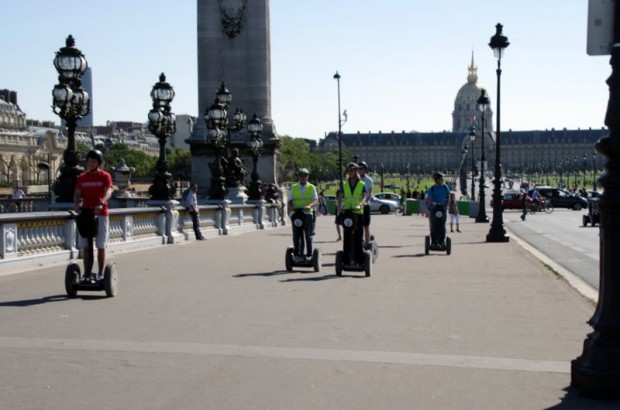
(437, 175)
(96, 154)
(363, 164)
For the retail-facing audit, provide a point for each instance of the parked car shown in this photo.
(512, 200)
(383, 205)
(391, 196)
(561, 198)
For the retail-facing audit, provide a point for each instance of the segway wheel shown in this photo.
(316, 260)
(368, 263)
(427, 244)
(339, 256)
(72, 278)
(288, 259)
(448, 245)
(374, 248)
(110, 280)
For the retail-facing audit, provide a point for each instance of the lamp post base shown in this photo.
(596, 373)
(497, 235)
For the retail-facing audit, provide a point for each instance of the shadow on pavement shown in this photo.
(47, 299)
(572, 400)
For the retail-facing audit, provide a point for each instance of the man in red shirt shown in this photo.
(94, 188)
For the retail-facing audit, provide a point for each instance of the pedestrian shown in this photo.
(363, 169)
(18, 193)
(191, 203)
(453, 211)
(523, 205)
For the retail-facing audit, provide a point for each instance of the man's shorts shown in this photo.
(102, 234)
(366, 215)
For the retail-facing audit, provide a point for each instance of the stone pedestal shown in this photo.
(259, 212)
(222, 216)
(171, 216)
(237, 195)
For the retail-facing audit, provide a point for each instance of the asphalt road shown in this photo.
(562, 237)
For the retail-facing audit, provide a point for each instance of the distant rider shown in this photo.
(437, 196)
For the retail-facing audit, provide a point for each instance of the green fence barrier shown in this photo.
(412, 206)
(331, 206)
(463, 207)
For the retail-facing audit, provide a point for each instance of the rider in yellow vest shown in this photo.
(303, 197)
(353, 199)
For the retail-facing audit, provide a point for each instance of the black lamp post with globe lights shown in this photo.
(497, 233)
(483, 103)
(255, 145)
(162, 123)
(219, 137)
(71, 103)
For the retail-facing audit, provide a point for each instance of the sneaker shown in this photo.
(99, 277)
(202, 238)
(298, 259)
(308, 258)
(458, 230)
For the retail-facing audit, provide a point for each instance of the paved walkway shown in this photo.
(220, 324)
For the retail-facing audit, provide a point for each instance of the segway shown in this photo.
(86, 222)
(291, 260)
(345, 259)
(444, 245)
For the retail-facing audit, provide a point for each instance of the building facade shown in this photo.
(566, 150)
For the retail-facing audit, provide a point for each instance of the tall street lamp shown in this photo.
(472, 138)
(255, 145)
(596, 373)
(483, 103)
(575, 172)
(594, 170)
(340, 124)
(585, 167)
(162, 123)
(71, 103)
(497, 233)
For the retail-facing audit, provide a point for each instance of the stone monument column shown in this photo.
(234, 47)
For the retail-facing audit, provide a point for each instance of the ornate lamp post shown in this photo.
(497, 233)
(162, 123)
(255, 144)
(561, 172)
(45, 166)
(219, 136)
(71, 103)
(483, 103)
(472, 138)
(596, 373)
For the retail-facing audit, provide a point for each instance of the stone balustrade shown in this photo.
(42, 237)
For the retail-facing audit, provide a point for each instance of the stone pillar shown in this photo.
(234, 47)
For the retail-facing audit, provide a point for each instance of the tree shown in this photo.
(141, 161)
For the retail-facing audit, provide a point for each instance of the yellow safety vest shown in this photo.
(352, 201)
(300, 201)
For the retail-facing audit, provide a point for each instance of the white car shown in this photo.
(391, 196)
(384, 206)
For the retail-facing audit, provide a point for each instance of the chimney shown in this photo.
(13, 97)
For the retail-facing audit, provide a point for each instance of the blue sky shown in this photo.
(401, 61)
